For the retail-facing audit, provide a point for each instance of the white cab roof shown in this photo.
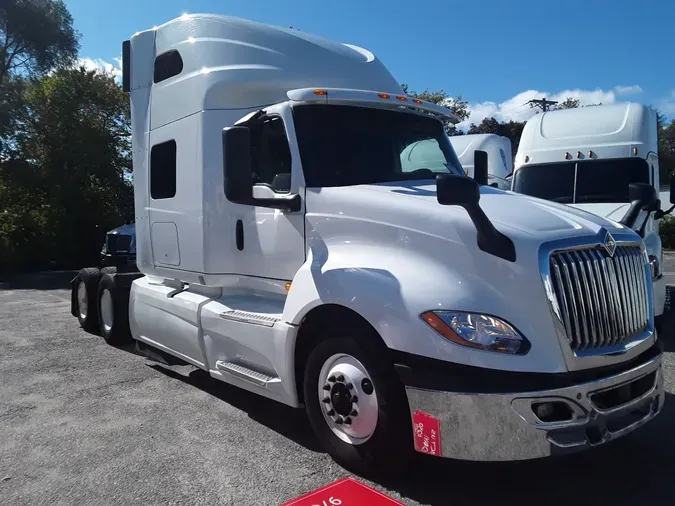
(232, 63)
(500, 164)
(610, 131)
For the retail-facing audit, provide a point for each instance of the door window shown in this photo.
(270, 155)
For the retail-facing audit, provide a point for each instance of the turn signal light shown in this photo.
(321, 92)
(288, 287)
(383, 95)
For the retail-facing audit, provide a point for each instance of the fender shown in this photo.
(390, 287)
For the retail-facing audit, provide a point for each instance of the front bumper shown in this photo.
(503, 426)
(118, 259)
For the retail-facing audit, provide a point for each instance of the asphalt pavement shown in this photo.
(82, 422)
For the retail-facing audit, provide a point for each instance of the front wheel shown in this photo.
(357, 407)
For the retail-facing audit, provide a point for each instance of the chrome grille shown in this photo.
(118, 242)
(603, 300)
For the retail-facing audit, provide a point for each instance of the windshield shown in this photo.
(347, 145)
(596, 180)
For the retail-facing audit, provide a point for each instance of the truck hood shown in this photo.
(612, 210)
(510, 212)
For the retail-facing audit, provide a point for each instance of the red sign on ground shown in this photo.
(344, 492)
(427, 433)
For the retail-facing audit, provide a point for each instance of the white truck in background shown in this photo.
(288, 246)
(498, 148)
(588, 158)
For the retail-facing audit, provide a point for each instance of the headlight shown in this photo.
(478, 331)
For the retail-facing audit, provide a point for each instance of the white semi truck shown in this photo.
(587, 158)
(498, 148)
(286, 247)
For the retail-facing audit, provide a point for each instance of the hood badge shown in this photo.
(609, 244)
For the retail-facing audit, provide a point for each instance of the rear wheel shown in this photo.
(86, 284)
(113, 307)
(357, 407)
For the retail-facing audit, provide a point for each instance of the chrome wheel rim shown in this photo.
(107, 310)
(348, 399)
(82, 301)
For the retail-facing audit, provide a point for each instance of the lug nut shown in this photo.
(326, 400)
(354, 399)
(331, 379)
(340, 378)
(326, 386)
(350, 386)
(339, 420)
(330, 412)
(353, 413)
(348, 421)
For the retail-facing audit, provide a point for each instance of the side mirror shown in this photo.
(672, 188)
(643, 198)
(237, 164)
(480, 167)
(238, 173)
(452, 190)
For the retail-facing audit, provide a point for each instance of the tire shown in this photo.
(109, 269)
(113, 308)
(85, 291)
(388, 448)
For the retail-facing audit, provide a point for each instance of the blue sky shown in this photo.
(496, 53)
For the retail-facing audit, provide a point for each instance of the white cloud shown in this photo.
(517, 109)
(99, 64)
(628, 90)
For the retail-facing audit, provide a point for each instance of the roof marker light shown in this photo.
(567, 155)
(590, 154)
(323, 93)
(383, 95)
(401, 98)
(417, 101)
(635, 151)
(527, 159)
(578, 154)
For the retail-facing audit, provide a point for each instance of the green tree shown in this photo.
(568, 103)
(666, 135)
(457, 105)
(66, 184)
(511, 129)
(572, 103)
(35, 36)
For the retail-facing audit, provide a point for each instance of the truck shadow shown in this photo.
(631, 470)
(288, 422)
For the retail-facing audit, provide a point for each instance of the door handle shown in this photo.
(239, 235)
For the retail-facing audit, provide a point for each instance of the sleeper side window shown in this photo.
(270, 154)
(163, 170)
(167, 65)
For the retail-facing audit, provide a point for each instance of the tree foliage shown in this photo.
(65, 184)
(572, 103)
(457, 105)
(35, 36)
